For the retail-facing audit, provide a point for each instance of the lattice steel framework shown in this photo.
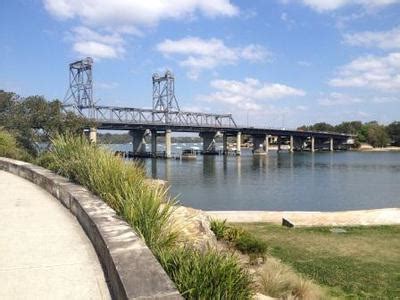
(166, 110)
(80, 92)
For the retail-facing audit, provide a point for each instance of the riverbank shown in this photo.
(385, 216)
(350, 262)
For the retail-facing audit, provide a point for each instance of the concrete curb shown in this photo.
(129, 266)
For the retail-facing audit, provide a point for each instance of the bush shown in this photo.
(219, 228)
(148, 209)
(119, 183)
(9, 147)
(207, 275)
(280, 281)
(249, 244)
(242, 240)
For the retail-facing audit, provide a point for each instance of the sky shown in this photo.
(280, 63)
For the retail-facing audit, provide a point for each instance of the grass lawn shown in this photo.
(363, 262)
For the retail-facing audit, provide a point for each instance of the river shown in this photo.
(282, 181)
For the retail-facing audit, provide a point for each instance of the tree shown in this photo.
(376, 134)
(34, 120)
(352, 127)
(393, 130)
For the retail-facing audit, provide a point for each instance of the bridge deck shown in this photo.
(44, 253)
(115, 125)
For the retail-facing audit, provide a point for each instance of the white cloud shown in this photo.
(334, 99)
(374, 72)
(250, 94)
(330, 5)
(201, 54)
(136, 12)
(381, 39)
(121, 17)
(304, 63)
(87, 42)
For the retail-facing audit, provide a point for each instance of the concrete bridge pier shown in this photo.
(279, 142)
(93, 135)
(298, 144)
(168, 151)
(208, 142)
(331, 144)
(225, 144)
(238, 143)
(154, 143)
(291, 144)
(138, 142)
(259, 144)
(312, 149)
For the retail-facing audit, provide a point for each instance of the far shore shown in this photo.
(383, 149)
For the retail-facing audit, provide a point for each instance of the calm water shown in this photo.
(284, 181)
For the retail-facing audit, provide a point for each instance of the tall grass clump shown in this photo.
(207, 275)
(9, 147)
(281, 281)
(119, 183)
(148, 209)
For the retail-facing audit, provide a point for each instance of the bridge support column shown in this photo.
(154, 143)
(259, 145)
(312, 144)
(168, 152)
(279, 142)
(93, 135)
(138, 142)
(291, 149)
(331, 144)
(238, 143)
(225, 144)
(267, 143)
(208, 142)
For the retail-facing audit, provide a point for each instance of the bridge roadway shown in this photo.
(297, 140)
(44, 252)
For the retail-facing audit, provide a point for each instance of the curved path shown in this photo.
(44, 253)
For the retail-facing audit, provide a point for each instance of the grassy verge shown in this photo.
(148, 209)
(362, 262)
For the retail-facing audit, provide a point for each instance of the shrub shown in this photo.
(249, 244)
(119, 183)
(278, 280)
(219, 228)
(9, 147)
(207, 275)
(242, 240)
(148, 209)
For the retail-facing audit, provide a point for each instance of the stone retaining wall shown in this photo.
(129, 266)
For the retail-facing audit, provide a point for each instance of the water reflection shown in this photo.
(284, 181)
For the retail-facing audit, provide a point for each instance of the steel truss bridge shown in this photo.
(165, 114)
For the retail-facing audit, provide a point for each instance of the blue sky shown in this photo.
(269, 63)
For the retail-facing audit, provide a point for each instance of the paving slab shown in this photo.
(44, 253)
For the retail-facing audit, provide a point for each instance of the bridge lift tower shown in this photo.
(80, 92)
(164, 100)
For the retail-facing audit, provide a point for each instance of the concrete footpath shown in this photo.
(44, 253)
(384, 216)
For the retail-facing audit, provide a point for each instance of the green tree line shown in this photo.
(373, 133)
(32, 120)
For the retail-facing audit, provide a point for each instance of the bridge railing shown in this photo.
(129, 115)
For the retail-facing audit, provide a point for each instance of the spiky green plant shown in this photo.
(207, 275)
(119, 183)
